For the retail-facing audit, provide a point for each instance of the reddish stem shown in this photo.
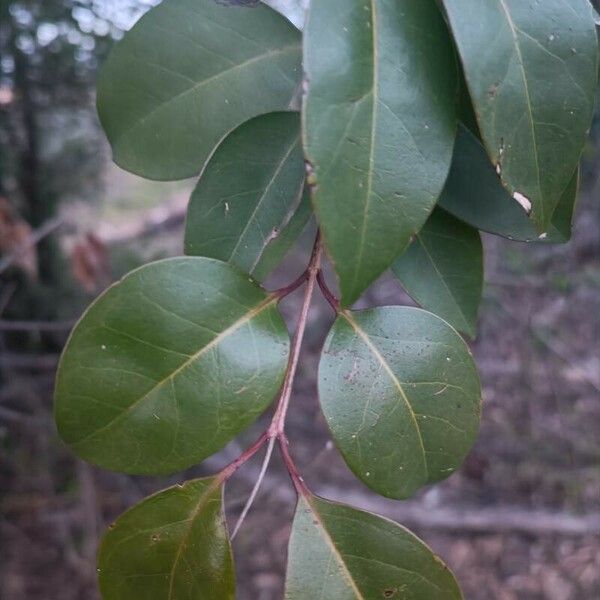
(241, 460)
(327, 293)
(290, 465)
(289, 289)
(278, 423)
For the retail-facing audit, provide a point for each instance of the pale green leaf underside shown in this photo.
(248, 194)
(474, 194)
(187, 74)
(379, 124)
(340, 553)
(172, 546)
(443, 270)
(401, 395)
(168, 366)
(532, 69)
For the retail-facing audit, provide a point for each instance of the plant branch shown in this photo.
(327, 293)
(278, 424)
(259, 480)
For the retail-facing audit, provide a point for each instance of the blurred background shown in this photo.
(519, 521)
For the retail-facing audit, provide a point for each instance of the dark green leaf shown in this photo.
(379, 127)
(248, 193)
(532, 69)
(169, 365)
(443, 270)
(340, 553)
(172, 546)
(280, 246)
(401, 395)
(474, 194)
(189, 73)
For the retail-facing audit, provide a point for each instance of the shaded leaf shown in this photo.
(275, 252)
(173, 545)
(248, 193)
(443, 270)
(532, 70)
(474, 194)
(188, 73)
(168, 366)
(379, 127)
(401, 395)
(341, 553)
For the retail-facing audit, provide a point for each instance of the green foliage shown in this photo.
(341, 553)
(168, 366)
(175, 360)
(379, 128)
(401, 395)
(159, 548)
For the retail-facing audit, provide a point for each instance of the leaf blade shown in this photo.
(370, 200)
(248, 194)
(234, 62)
(153, 378)
(401, 395)
(346, 554)
(443, 270)
(474, 194)
(534, 44)
(171, 545)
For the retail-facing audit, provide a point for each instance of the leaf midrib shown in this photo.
(369, 190)
(139, 122)
(515, 36)
(267, 189)
(251, 314)
(375, 351)
(334, 549)
(455, 301)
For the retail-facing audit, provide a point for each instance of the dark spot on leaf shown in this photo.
(389, 592)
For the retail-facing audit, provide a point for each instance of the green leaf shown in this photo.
(169, 365)
(275, 252)
(379, 127)
(443, 270)
(474, 194)
(532, 70)
(401, 395)
(173, 545)
(248, 193)
(341, 553)
(187, 74)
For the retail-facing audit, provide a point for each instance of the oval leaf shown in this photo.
(248, 193)
(532, 69)
(168, 366)
(188, 73)
(474, 194)
(172, 545)
(401, 395)
(443, 270)
(341, 553)
(379, 127)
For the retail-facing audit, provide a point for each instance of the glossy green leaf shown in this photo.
(401, 395)
(168, 366)
(248, 193)
(275, 252)
(443, 270)
(340, 553)
(532, 70)
(379, 127)
(187, 74)
(172, 546)
(474, 194)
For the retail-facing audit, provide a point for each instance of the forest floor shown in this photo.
(518, 522)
